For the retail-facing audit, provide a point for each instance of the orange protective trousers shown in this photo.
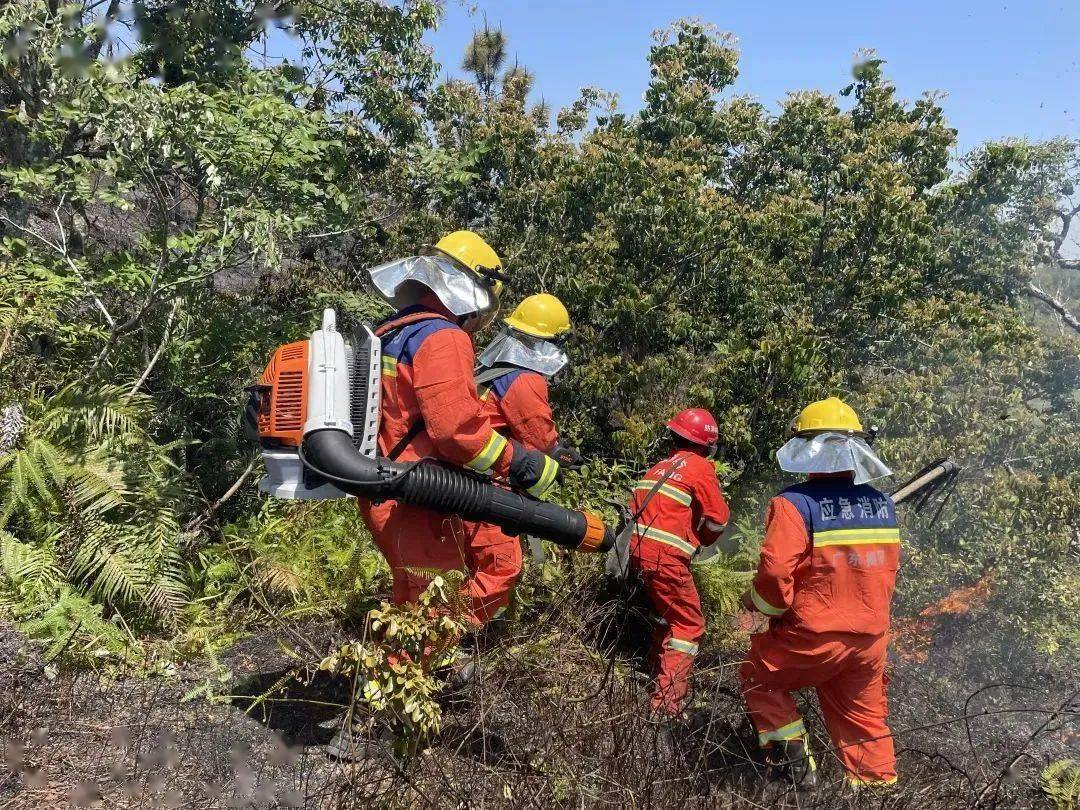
(666, 576)
(848, 672)
(415, 541)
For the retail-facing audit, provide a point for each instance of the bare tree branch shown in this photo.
(1054, 304)
(111, 14)
(4, 341)
(196, 523)
(62, 250)
(160, 350)
(1066, 218)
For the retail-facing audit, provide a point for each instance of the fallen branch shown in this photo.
(197, 522)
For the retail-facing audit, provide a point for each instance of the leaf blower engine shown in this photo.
(315, 414)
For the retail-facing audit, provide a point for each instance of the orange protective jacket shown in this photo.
(688, 510)
(829, 558)
(427, 373)
(518, 406)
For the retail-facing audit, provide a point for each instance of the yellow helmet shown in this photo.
(541, 315)
(471, 251)
(827, 414)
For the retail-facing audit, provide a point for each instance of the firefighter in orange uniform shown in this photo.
(679, 508)
(825, 580)
(513, 384)
(430, 408)
(517, 365)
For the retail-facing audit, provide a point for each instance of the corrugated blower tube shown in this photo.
(449, 491)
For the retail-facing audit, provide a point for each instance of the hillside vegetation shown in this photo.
(173, 207)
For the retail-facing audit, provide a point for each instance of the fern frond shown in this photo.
(105, 566)
(279, 578)
(1061, 783)
(162, 529)
(34, 473)
(426, 573)
(101, 412)
(73, 625)
(24, 563)
(98, 486)
(168, 593)
(49, 459)
(29, 474)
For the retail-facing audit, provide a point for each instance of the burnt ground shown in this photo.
(554, 720)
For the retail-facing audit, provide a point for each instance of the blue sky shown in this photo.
(1009, 68)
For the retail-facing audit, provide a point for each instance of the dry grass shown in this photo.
(556, 718)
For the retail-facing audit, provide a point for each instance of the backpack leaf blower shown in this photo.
(315, 415)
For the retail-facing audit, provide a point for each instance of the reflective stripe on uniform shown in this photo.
(389, 366)
(788, 732)
(678, 644)
(857, 782)
(764, 606)
(856, 537)
(660, 536)
(486, 458)
(674, 493)
(551, 469)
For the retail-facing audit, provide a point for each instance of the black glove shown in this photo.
(567, 456)
(532, 471)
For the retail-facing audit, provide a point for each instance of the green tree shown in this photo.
(485, 56)
(162, 237)
(157, 240)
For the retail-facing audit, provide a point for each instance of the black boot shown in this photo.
(789, 766)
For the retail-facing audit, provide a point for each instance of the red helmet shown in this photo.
(696, 425)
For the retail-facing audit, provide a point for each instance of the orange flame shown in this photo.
(913, 637)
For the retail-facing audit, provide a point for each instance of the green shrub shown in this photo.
(393, 670)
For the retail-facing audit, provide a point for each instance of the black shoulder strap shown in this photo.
(652, 492)
(406, 440)
(621, 548)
